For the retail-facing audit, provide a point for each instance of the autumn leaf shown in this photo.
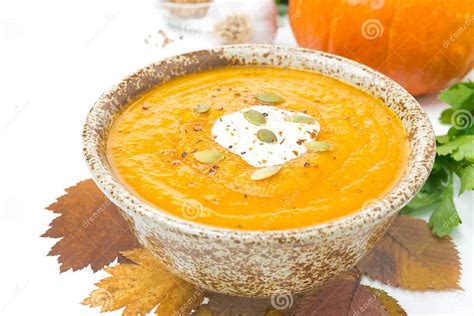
(141, 286)
(91, 229)
(410, 257)
(341, 296)
(390, 304)
(226, 305)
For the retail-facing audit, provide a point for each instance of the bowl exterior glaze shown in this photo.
(259, 263)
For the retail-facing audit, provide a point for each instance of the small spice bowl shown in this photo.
(259, 263)
(178, 12)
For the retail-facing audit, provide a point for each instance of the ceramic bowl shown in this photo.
(259, 263)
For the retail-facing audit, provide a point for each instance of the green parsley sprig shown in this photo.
(454, 156)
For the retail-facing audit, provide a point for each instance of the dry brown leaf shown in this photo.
(410, 257)
(91, 227)
(141, 286)
(389, 303)
(342, 296)
(225, 305)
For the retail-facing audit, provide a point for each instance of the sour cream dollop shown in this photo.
(235, 133)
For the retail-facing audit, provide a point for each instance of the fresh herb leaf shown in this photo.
(459, 96)
(445, 217)
(454, 132)
(460, 148)
(431, 193)
(446, 115)
(467, 178)
(443, 139)
(454, 156)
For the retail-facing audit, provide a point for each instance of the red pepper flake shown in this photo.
(197, 129)
(282, 141)
(312, 134)
(213, 169)
(300, 141)
(280, 133)
(184, 154)
(295, 152)
(237, 94)
(306, 164)
(145, 107)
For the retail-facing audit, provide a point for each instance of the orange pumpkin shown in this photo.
(423, 44)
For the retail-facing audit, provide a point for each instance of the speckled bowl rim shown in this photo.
(391, 203)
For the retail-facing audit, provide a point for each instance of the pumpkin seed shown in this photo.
(300, 119)
(317, 146)
(255, 117)
(264, 173)
(202, 108)
(266, 136)
(269, 98)
(208, 156)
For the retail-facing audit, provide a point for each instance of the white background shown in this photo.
(56, 58)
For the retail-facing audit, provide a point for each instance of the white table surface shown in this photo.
(56, 58)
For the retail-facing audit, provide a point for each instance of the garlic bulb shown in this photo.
(243, 21)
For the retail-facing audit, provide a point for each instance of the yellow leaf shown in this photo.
(142, 286)
(390, 304)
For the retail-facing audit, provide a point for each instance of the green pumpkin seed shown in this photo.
(269, 98)
(201, 108)
(208, 156)
(266, 136)
(317, 146)
(255, 117)
(264, 173)
(300, 119)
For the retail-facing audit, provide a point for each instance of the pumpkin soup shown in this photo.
(258, 148)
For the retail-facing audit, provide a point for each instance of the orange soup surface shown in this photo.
(153, 142)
